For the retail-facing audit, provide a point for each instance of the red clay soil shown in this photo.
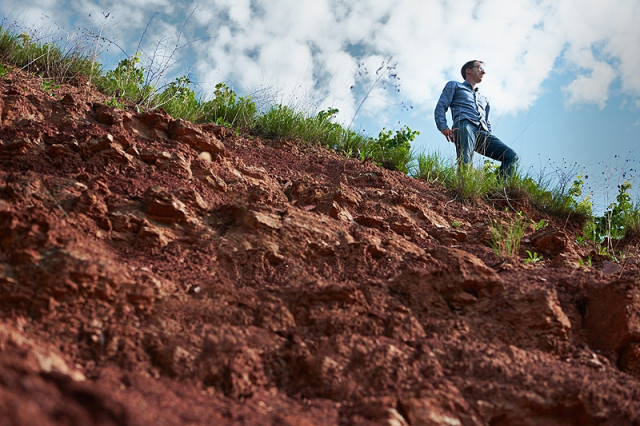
(157, 272)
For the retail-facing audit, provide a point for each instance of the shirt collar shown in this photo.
(466, 83)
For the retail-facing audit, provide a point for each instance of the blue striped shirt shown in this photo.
(465, 104)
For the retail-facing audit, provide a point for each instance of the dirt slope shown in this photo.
(157, 272)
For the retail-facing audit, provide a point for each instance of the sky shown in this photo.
(560, 74)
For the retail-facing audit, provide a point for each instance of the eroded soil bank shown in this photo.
(143, 282)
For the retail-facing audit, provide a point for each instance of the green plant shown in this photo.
(58, 62)
(456, 224)
(586, 264)
(228, 109)
(280, 122)
(433, 168)
(179, 100)
(533, 257)
(620, 217)
(113, 102)
(3, 71)
(322, 130)
(49, 86)
(632, 221)
(541, 224)
(602, 250)
(554, 200)
(581, 240)
(353, 143)
(472, 183)
(126, 81)
(392, 150)
(582, 207)
(505, 239)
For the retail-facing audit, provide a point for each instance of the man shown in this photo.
(471, 130)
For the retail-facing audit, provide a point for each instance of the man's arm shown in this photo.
(440, 113)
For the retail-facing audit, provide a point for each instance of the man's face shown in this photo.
(475, 74)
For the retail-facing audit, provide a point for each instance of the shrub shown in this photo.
(179, 100)
(557, 201)
(226, 108)
(8, 43)
(620, 217)
(321, 130)
(353, 144)
(126, 81)
(392, 150)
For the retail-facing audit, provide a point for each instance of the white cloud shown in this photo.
(313, 47)
(428, 41)
(32, 14)
(591, 87)
(601, 39)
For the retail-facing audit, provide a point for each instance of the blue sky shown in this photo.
(560, 73)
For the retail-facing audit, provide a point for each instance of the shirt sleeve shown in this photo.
(440, 113)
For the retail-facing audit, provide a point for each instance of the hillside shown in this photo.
(153, 271)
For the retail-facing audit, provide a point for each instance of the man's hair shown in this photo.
(467, 66)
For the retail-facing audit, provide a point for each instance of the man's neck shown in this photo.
(472, 84)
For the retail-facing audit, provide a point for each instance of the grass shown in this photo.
(60, 64)
(227, 109)
(128, 84)
(477, 183)
(472, 183)
(632, 221)
(506, 238)
(434, 168)
(281, 122)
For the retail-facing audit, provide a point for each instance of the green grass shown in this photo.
(472, 183)
(228, 109)
(632, 221)
(434, 168)
(281, 122)
(50, 61)
(506, 238)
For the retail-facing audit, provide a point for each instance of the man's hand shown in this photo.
(448, 133)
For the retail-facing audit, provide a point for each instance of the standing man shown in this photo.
(471, 130)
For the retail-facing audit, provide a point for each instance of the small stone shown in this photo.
(610, 268)
(205, 156)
